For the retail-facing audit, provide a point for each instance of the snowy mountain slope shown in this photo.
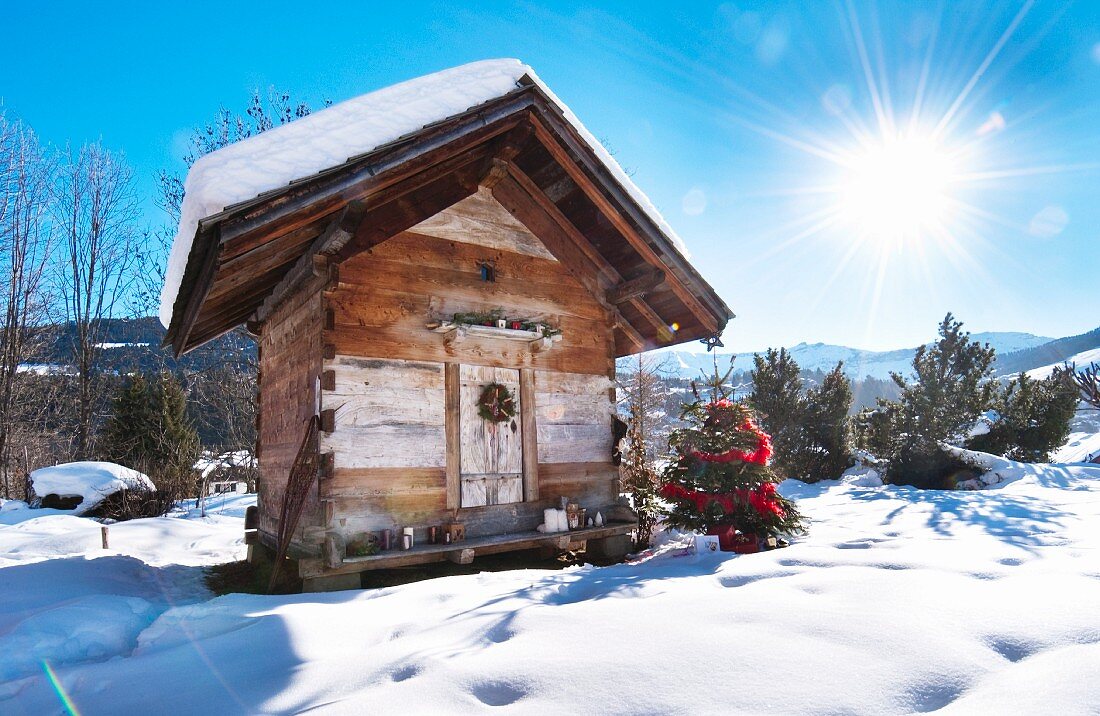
(1052, 353)
(899, 601)
(1081, 360)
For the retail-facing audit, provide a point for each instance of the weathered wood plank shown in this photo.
(637, 287)
(528, 426)
(387, 446)
(574, 443)
(571, 383)
(481, 220)
(386, 482)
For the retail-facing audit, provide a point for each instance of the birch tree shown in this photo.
(96, 212)
(24, 247)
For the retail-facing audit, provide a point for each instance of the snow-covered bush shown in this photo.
(929, 465)
(89, 486)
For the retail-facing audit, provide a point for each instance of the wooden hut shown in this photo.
(470, 196)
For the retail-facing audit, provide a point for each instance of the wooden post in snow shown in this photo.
(103, 535)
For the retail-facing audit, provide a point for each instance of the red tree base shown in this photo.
(730, 540)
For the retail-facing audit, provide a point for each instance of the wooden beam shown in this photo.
(529, 435)
(492, 544)
(557, 151)
(507, 148)
(338, 232)
(197, 296)
(452, 392)
(498, 169)
(426, 196)
(636, 287)
(603, 268)
(382, 166)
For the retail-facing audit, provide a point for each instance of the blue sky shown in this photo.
(747, 123)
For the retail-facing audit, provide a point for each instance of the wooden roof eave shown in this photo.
(611, 193)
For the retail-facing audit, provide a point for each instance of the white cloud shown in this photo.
(1048, 222)
(694, 202)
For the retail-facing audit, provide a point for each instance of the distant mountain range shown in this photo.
(133, 344)
(1015, 352)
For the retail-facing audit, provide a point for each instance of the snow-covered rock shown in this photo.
(91, 481)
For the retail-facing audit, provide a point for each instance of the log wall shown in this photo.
(290, 369)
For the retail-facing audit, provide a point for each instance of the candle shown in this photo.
(407, 541)
(550, 519)
(408, 532)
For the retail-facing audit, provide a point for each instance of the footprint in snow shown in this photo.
(497, 693)
(1011, 648)
(406, 672)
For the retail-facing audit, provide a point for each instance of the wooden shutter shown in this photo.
(491, 453)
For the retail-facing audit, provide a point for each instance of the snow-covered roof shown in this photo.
(209, 463)
(93, 481)
(331, 136)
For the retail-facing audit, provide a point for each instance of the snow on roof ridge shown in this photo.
(328, 137)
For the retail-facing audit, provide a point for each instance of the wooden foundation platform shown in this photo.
(465, 551)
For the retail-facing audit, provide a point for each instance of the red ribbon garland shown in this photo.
(759, 456)
(762, 498)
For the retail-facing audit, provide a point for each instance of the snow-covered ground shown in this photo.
(898, 601)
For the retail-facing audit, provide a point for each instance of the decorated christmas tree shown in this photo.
(719, 482)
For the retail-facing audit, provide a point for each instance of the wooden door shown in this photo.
(491, 453)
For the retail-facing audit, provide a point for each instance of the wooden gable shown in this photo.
(515, 153)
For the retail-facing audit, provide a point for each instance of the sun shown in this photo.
(898, 187)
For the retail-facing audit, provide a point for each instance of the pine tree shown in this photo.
(648, 428)
(777, 399)
(826, 446)
(148, 430)
(640, 479)
(1034, 418)
(951, 387)
(720, 477)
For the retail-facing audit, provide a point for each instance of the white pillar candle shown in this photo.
(550, 519)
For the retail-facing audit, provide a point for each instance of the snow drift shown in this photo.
(898, 601)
